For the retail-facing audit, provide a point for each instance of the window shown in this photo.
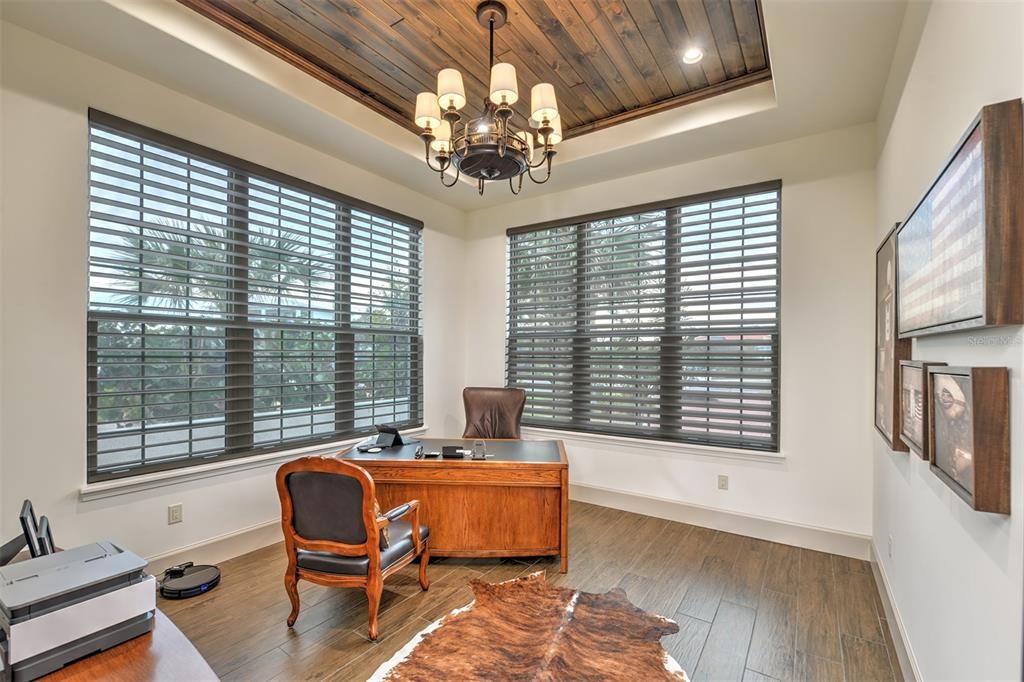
(657, 322)
(234, 310)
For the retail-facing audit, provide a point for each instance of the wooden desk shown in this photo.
(514, 503)
(163, 654)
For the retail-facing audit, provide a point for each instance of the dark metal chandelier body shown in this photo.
(494, 146)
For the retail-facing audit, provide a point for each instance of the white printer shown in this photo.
(57, 608)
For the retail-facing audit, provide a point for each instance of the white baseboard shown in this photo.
(799, 535)
(223, 547)
(907, 660)
(220, 548)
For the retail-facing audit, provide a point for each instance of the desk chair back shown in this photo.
(493, 412)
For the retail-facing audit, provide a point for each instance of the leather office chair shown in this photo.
(493, 412)
(335, 535)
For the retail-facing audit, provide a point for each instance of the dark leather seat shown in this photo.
(493, 412)
(336, 535)
(399, 545)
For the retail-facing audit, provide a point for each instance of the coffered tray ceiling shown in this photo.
(609, 60)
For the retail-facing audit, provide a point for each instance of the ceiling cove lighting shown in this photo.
(693, 55)
(492, 146)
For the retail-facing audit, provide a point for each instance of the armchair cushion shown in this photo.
(326, 562)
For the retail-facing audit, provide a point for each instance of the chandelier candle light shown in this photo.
(491, 147)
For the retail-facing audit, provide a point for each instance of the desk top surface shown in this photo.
(520, 451)
(163, 655)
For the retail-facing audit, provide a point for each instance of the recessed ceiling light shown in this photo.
(693, 55)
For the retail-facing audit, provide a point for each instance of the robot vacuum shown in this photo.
(188, 580)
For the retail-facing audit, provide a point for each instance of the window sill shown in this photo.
(133, 484)
(660, 446)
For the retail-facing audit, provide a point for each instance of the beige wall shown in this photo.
(47, 89)
(955, 574)
(828, 219)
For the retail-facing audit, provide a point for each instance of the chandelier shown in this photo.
(492, 147)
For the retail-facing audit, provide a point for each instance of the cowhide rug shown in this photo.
(526, 629)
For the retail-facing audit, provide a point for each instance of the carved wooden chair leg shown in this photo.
(374, 590)
(424, 559)
(291, 585)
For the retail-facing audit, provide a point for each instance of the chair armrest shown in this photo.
(398, 512)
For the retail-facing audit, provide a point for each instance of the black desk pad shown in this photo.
(497, 450)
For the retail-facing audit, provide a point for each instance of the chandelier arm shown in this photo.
(442, 168)
(545, 155)
(458, 171)
(513, 188)
(547, 177)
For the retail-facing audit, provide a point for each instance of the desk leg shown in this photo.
(564, 521)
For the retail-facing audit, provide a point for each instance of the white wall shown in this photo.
(828, 199)
(955, 574)
(47, 89)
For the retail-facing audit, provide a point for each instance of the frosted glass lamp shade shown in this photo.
(528, 139)
(450, 91)
(542, 102)
(428, 114)
(504, 89)
(442, 138)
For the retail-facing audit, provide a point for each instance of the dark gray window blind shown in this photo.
(234, 310)
(658, 322)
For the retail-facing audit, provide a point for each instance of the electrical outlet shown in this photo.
(890, 547)
(723, 482)
(174, 514)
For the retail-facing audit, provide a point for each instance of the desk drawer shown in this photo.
(483, 520)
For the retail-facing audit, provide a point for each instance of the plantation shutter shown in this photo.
(234, 310)
(660, 322)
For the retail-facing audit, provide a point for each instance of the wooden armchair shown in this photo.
(335, 535)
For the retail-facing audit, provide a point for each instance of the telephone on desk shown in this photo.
(387, 437)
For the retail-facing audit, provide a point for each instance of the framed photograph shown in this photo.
(960, 252)
(889, 349)
(970, 434)
(914, 405)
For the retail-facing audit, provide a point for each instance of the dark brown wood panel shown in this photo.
(239, 627)
(610, 60)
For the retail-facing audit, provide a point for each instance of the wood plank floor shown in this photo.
(747, 609)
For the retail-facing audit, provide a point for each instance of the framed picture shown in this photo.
(889, 349)
(960, 252)
(970, 434)
(914, 405)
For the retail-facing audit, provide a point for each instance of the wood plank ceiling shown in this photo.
(609, 60)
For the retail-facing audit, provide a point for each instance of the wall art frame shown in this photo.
(960, 252)
(969, 432)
